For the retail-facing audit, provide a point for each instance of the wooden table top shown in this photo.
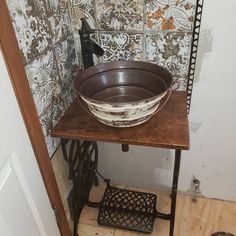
(166, 129)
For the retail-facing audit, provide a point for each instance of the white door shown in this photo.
(25, 209)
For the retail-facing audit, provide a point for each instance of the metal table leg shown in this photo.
(82, 158)
(174, 190)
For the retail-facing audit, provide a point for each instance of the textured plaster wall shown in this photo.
(213, 115)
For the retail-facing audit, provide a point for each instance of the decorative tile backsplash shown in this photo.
(60, 25)
(54, 6)
(171, 15)
(169, 50)
(83, 8)
(120, 14)
(157, 31)
(30, 23)
(43, 80)
(66, 60)
(121, 46)
(44, 32)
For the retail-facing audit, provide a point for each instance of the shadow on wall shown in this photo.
(140, 167)
(204, 51)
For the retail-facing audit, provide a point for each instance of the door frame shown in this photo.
(15, 66)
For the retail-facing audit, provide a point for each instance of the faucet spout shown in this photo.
(94, 48)
(85, 26)
(88, 46)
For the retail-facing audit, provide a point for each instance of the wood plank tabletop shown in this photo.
(166, 129)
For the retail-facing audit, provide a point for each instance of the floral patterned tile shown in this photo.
(172, 15)
(68, 95)
(49, 119)
(120, 14)
(121, 46)
(86, 3)
(53, 6)
(181, 83)
(85, 9)
(30, 23)
(52, 144)
(170, 50)
(66, 60)
(57, 110)
(60, 25)
(43, 80)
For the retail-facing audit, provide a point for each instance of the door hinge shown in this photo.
(57, 215)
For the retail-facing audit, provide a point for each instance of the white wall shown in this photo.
(141, 166)
(212, 158)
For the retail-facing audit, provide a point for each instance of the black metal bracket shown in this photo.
(194, 48)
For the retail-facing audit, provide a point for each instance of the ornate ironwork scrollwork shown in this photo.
(82, 158)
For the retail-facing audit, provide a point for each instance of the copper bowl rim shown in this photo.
(115, 65)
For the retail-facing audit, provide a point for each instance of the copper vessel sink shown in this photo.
(123, 93)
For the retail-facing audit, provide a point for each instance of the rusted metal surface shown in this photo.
(124, 93)
(166, 129)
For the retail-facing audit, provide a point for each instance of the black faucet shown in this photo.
(88, 46)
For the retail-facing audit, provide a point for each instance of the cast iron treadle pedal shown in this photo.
(127, 209)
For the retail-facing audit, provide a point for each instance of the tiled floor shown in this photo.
(194, 217)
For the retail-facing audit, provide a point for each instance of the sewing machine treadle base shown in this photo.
(127, 209)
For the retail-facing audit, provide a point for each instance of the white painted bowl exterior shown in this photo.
(124, 114)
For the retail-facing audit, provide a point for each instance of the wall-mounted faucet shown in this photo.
(88, 46)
